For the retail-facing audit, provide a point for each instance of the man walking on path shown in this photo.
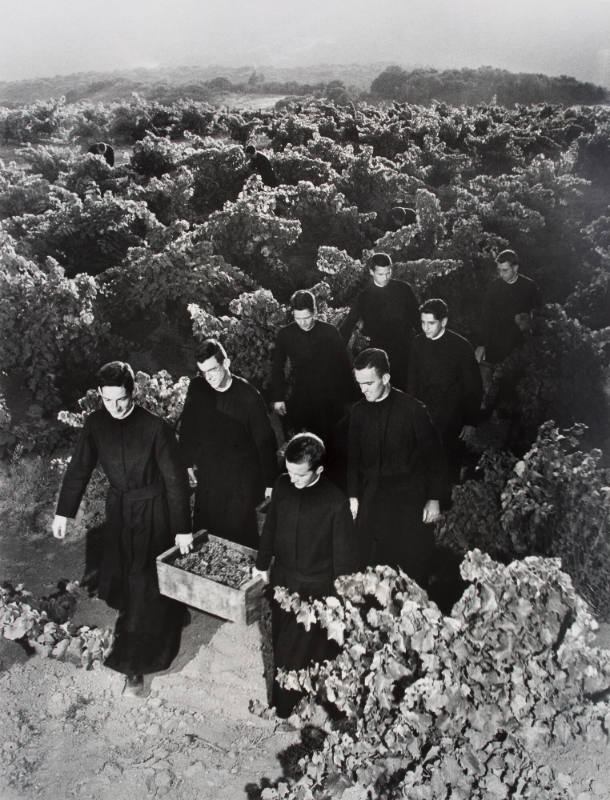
(445, 376)
(321, 383)
(389, 314)
(508, 303)
(396, 471)
(225, 433)
(147, 512)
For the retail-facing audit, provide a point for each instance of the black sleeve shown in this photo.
(414, 377)
(267, 540)
(536, 296)
(472, 385)
(344, 376)
(347, 325)
(278, 379)
(433, 456)
(345, 551)
(78, 473)
(175, 479)
(412, 307)
(353, 454)
(188, 438)
(264, 438)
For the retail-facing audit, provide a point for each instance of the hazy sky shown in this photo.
(40, 38)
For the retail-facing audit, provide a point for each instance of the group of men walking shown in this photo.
(392, 455)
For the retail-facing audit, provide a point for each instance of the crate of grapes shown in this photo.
(214, 577)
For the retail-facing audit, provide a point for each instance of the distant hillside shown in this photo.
(193, 82)
(371, 82)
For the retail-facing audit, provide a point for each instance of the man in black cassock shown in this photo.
(260, 164)
(508, 303)
(445, 376)
(396, 471)
(226, 435)
(389, 314)
(309, 533)
(322, 385)
(147, 512)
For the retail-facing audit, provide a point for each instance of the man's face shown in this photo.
(508, 272)
(372, 385)
(381, 275)
(302, 475)
(216, 374)
(431, 326)
(304, 318)
(117, 401)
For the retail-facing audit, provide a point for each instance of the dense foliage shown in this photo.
(450, 707)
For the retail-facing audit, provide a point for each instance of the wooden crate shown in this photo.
(238, 605)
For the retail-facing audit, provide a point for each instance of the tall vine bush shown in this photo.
(248, 333)
(450, 708)
(557, 503)
(50, 330)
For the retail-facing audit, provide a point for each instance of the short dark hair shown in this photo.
(303, 300)
(305, 448)
(250, 150)
(435, 306)
(210, 348)
(379, 260)
(116, 373)
(508, 256)
(373, 357)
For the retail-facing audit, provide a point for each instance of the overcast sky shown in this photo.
(41, 38)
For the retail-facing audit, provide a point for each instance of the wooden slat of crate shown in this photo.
(238, 605)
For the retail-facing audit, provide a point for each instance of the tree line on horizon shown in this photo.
(421, 86)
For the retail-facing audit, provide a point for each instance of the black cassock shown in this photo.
(395, 464)
(229, 438)
(445, 376)
(260, 163)
(503, 301)
(321, 376)
(310, 534)
(390, 317)
(146, 506)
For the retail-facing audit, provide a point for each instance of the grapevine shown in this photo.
(219, 562)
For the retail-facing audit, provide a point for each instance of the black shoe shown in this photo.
(134, 685)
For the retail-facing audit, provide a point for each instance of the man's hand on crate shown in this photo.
(184, 542)
(263, 574)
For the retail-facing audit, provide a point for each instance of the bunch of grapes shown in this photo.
(219, 562)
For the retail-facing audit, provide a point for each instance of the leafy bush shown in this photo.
(250, 234)
(186, 271)
(49, 328)
(24, 618)
(558, 373)
(248, 335)
(294, 165)
(474, 519)
(557, 503)
(219, 171)
(87, 235)
(343, 274)
(449, 707)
